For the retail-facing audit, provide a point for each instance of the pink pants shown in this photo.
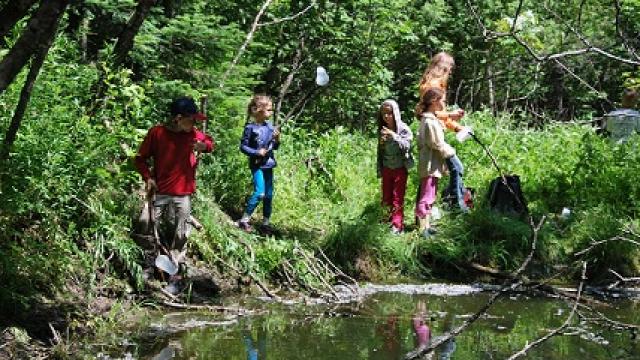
(427, 196)
(394, 185)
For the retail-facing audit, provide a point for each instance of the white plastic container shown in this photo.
(464, 134)
(322, 78)
(165, 264)
(622, 123)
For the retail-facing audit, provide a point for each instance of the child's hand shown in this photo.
(262, 152)
(457, 114)
(199, 146)
(276, 134)
(151, 185)
(386, 133)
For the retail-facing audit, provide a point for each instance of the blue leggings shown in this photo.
(262, 190)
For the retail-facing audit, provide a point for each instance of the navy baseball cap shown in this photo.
(186, 106)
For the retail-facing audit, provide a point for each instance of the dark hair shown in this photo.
(430, 96)
(629, 98)
(381, 121)
(183, 106)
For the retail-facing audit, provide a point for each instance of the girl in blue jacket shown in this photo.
(259, 140)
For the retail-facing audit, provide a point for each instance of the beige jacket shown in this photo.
(432, 149)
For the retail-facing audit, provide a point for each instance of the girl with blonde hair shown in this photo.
(437, 76)
(259, 141)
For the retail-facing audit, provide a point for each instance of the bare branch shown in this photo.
(581, 80)
(622, 279)
(287, 18)
(590, 47)
(295, 67)
(491, 35)
(256, 24)
(562, 327)
(507, 286)
(515, 17)
(242, 49)
(598, 243)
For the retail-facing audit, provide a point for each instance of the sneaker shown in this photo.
(245, 226)
(429, 232)
(395, 230)
(173, 288)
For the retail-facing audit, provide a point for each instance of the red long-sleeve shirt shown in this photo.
(174, 161)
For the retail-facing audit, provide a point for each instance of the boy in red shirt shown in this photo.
(173, 147)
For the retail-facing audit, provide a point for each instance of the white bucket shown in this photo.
(622, 123)
(464, 134)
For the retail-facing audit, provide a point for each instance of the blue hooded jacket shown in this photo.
(256, 137)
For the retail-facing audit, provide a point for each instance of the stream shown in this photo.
(380, 326)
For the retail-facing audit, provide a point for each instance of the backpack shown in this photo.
(504, 200)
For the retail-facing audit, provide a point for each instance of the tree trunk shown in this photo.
(12, 13)
(40, 28)
(125, 41)
(25, 94)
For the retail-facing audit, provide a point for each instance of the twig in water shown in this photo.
(562, 327)
(507, 286)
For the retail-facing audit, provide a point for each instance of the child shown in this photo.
(172, 147)
(437, 76)
(433, 153)
(394, 158)
(259, 140)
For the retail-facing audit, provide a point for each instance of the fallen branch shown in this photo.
(211, 308)
(600, 242)
(562, 327)
(508, 286)
(622, 279)
(253, 277)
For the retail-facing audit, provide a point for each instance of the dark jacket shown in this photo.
(256, 137)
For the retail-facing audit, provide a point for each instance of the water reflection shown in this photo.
(390, 333)
(420, 327)
(387, 326)
(256, 350)
(448, 348)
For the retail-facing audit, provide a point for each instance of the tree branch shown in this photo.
(287, 18)
(12, 13)
(507, 286)
(25, 95)
(562, 327)
(247, 40)
(39, 28)
(295, 67)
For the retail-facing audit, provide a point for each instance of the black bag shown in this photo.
(507, 201)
